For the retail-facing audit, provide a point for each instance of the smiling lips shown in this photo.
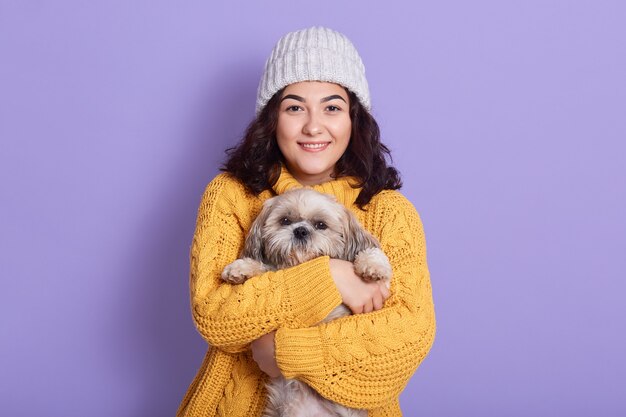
(314, 146)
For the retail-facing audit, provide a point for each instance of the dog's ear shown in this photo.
(356, 237)
(253, 247)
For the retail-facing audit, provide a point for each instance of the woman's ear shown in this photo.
(253, 247)
(356, 237)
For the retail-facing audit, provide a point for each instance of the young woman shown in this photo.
(312, 128)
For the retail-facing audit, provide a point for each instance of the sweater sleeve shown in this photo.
(365, 361)
(228, 316)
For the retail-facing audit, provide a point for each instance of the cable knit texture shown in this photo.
(361, 361)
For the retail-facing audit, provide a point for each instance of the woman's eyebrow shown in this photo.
(333, 97)
(295, 97)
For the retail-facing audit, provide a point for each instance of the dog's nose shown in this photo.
(300, 232)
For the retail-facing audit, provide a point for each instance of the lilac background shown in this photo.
(507, 120)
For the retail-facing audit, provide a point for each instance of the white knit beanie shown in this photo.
(313, 54)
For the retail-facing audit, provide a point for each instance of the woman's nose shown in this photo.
(312, 126)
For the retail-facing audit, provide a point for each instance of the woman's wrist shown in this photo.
(264, 354)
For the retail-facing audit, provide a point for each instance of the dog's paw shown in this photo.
(372, 265)
(242, 269)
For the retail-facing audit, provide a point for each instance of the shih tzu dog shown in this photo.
(293, 228)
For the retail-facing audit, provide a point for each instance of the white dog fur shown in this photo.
(293, 228)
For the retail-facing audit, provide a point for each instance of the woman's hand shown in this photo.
(358, 295)
(263, 353)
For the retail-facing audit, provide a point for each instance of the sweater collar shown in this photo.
(342, 188)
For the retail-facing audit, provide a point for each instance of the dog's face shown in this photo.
(300, 225)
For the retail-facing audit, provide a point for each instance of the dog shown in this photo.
(292, 228)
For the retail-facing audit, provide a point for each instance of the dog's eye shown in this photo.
(285, 221)
(320, 225)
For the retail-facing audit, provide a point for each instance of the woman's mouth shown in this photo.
(314, 146)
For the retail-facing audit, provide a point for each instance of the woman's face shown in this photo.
(313, 129)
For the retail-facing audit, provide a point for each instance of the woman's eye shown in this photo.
(294, 108)
(320, 225)
(333, 108)
(285, 221)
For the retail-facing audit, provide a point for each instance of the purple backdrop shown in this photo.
(507, 120)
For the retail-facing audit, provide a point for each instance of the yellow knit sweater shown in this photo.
(361, 361)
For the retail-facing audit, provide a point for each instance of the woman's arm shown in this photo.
(358, 295)
(231, 316)
(365, 360)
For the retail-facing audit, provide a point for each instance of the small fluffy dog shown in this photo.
(293, 228)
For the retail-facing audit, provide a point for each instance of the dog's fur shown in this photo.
(293, 228)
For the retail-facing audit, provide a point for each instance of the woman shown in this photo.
(313, 128)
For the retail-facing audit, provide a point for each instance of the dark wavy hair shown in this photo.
(256, 160)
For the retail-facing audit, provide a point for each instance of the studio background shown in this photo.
(507, 120)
